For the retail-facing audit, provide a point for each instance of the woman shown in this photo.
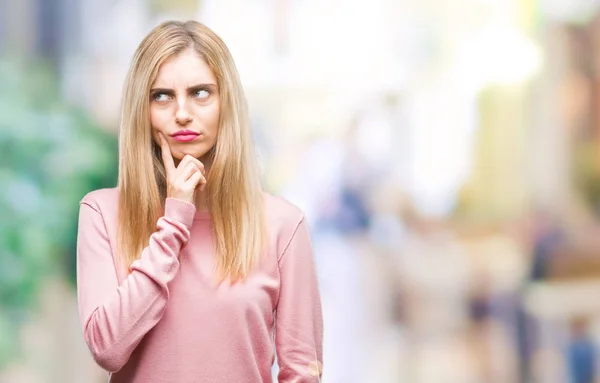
(187, 271)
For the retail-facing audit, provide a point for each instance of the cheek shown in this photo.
(156, 118)
(214, 117)
(158, 121)
(208, 117)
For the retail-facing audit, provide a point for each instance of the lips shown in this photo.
(185, 135)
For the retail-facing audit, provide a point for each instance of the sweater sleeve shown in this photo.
(116, 317)
(299, 323)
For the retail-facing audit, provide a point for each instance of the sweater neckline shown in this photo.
(201, 215)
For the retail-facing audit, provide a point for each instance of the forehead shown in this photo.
(183, 70)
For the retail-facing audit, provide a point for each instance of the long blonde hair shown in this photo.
(234, 193)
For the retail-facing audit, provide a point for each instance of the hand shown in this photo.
(184, 180)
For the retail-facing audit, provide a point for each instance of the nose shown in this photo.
(182, 115)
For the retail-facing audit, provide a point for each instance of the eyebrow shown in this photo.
(189, 88)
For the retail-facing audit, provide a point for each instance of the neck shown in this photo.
(201, 200)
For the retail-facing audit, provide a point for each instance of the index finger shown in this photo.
(200, 165)
(166, 154)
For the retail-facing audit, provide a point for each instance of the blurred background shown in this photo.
(446, 154)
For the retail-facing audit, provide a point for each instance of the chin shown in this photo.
(179, 155)
(196, 153)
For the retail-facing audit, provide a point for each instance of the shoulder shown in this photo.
(280, 212)
(283, 217)
(102, 199)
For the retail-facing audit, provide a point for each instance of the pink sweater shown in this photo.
(167, 322)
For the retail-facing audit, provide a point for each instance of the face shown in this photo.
(185, 106)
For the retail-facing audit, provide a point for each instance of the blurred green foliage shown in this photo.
(51, 155)
(587, 174)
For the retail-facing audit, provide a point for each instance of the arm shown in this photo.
(116, 318)
(299, 323)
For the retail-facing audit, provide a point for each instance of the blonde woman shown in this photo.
(187, 271)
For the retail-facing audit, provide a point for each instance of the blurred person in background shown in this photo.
(333, 195)
(581, 352)
(187, 270)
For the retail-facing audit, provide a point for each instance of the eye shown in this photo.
(161, 97)
(201, 93)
